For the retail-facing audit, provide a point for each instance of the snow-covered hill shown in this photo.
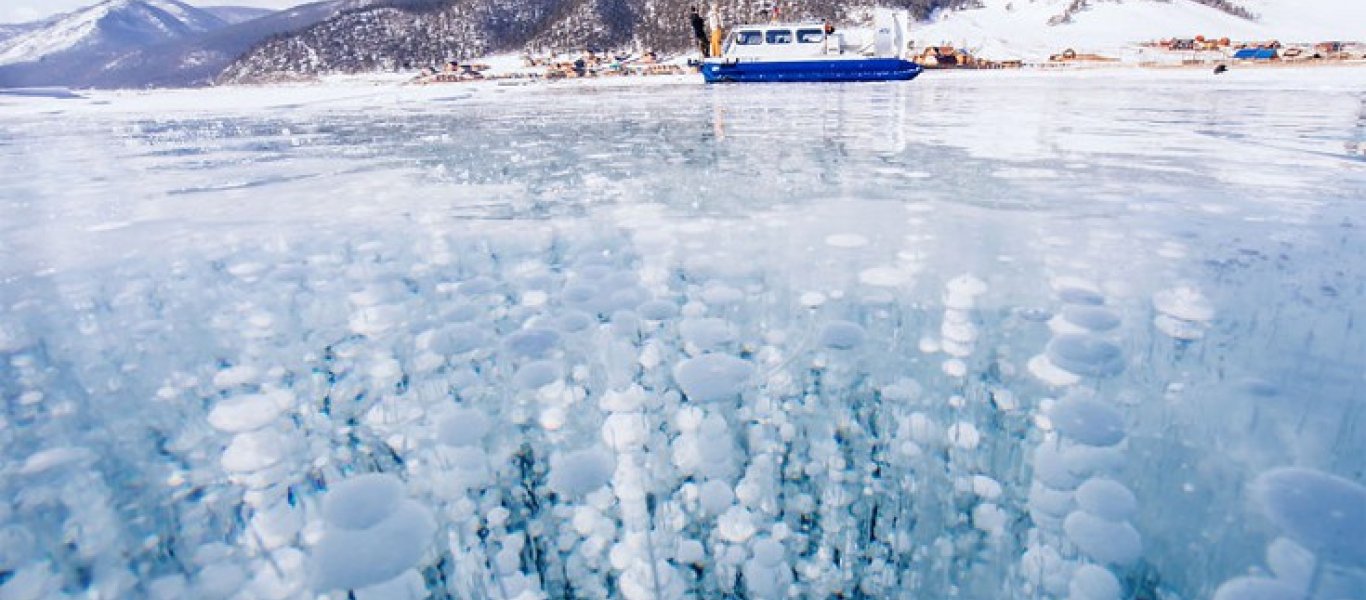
(11, 30)
(1034, 29)
(237, 14)
(110, 27)
(92, 47)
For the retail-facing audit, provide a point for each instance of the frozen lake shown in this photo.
(993, 335)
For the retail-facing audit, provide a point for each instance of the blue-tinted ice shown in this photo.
(1069, 336)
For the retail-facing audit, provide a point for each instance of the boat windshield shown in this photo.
(810, 36)
(748, 38)
(778, 36)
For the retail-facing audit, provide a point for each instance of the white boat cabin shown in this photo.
(809, 40)
(782, 41)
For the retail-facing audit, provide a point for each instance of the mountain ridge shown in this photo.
(109, 27)
(174, 61)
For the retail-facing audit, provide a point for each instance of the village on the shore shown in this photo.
(1198, 51)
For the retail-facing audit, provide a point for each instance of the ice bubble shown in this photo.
(409, 585)
(625, 431)
(736, 525)
(1104, 541)
(657, 310)
(13, 336)
(377, 293)
(964, 435)
(1083, 460)
(1178, 329)
(236, 376)
(253, 451)
(1324, 513)
(1088, 421)
(1074, 290)
(921, 428)
(463, 427)
(707, 333)
(712, 377)
(532, 343)
(478, 286)
(954, 367)
(715, 496)
(219, 581)
(1184, 303)
(689, 552)
(1107, 499)
(1050, 467)
(1257, 588)
(1073, 295)
(963, 332)
(537, 374)
(349, 559)
(53, 458)
(1082, 319)
(989, 518)
(1291, 562)
(985, 487)
(846, 240)
(276, 525)
(1091, 582)
(1050, 502)
(1043, 567)
(717, 294)
(961, 292)
(882, 276)
(362, 501)
(574, 321)
(902, 390)
(553, 418)
(1049, 373)
(841, 335)
(166, 587)
(627, 400)
(768, 552)
(579, 294)
(249, 412)
(577, 473)
(456, 339)
(811, 299)
(1085, 355)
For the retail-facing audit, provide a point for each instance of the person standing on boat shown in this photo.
(714, 22)
(699, 30)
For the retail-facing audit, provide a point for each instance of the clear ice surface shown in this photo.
(1079, 335)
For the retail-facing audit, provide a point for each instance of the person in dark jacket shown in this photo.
(699, 30)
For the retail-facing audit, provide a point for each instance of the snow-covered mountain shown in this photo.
(108, 28)
(11, 30)
(395, 33)
(392, 34)
(237, 14)
(140, 43)
(1034, 29)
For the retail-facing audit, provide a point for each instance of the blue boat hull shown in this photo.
(862, 69)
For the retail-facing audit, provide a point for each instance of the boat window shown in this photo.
(779, 36)
(810, 36)
(748, 38)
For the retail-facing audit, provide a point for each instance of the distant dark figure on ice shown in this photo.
(699, 30)
(1220, 69)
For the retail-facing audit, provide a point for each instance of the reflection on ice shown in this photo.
(686, 341)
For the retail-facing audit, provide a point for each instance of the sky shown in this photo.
(19, 11)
